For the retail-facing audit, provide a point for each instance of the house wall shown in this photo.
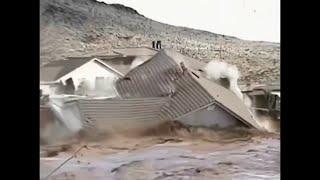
(118, 115)
(45, 89)
(89, 72)
(86, 75)
(212, 116)
(50, 89)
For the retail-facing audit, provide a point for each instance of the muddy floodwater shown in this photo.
(179, 154)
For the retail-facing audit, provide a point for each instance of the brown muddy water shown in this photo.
(170, 151)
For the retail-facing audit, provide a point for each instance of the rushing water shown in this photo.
(173, 154)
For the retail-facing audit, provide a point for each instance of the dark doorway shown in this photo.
(69, 86)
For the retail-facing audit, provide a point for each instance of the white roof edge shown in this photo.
(116, 71)
(93, 59)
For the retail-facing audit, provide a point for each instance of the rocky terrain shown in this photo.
(88, 27)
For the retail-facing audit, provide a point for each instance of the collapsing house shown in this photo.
(94, 75)
(265, 99)
(192, 99)
(128, 58)
(165, 87)
(75, 75)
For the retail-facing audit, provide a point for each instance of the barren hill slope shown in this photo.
(87, 27)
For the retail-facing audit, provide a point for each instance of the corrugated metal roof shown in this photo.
(121, 64)
(228, 101)
(189, 62)
(163, 76)
(110, 114)
(56, 69)
(136, 51)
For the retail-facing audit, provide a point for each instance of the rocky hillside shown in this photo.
(87, 27)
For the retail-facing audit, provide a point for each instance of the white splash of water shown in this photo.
(216, 70)
(69, 115)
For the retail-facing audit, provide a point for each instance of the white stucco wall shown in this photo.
(212, 116)
(45, 89)
(50, 88)
(88, 74)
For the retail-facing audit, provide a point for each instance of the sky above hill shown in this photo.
(246, 19)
